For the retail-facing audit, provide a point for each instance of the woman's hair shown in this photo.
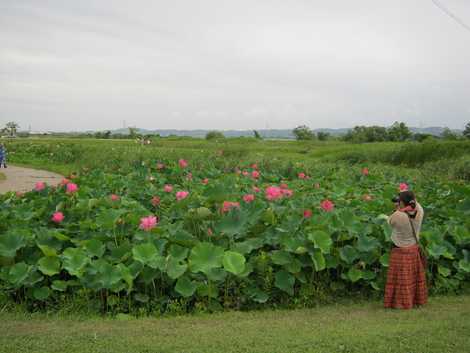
(408, 198)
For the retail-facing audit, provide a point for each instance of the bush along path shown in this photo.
(24, 179)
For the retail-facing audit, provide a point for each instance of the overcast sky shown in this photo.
(240, 64)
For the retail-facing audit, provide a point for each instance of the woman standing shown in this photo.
(406, 277)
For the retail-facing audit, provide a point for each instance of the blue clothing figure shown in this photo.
(3, 156)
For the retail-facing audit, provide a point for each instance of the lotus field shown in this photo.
(205, 237)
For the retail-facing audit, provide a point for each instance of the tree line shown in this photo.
(398, 131)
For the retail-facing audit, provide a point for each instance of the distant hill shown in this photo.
(266, 133)
(434, 130)
(271, 133)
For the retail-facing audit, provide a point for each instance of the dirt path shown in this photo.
(24, 179)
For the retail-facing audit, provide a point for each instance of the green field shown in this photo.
(446, 158)
(261, 225)
(440, 327)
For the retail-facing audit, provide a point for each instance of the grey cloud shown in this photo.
(232, 64)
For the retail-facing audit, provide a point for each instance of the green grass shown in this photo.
(79, 152)
(442, 326)
(443, 159)
(439, 327)
(67, 155)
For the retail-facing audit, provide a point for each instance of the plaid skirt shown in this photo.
(406, 279)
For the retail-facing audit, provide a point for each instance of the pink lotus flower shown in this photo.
(72, 188)
(183, 163)
(209, 232)
(255, 174)
(256, 189)
(19, 194)
(64, 181)
(245, 173)
(287, 192)
(249, 198)
(168, 188)
(308, 214)
(115, 197)
(367, 197)
(273, 193)
(40, 185)
(189, 176)
(160, 166)
(327, 205)
(254, 166)
(57, 217)
(180, 195)
(284, 186)
(155, 201)
(148, 223)
(301, 175)
(228, 205)
(365, 171)
(205, 181)
(403, 187)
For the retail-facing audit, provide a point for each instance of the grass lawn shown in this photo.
(441, 326)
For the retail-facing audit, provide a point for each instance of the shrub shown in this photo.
(303, 133)
(416, 154)
(353, 157)
(466, 132)
(323, 136)
(461, 168)
(127, 254)
(214, 135)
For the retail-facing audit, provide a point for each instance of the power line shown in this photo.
(451, 15)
